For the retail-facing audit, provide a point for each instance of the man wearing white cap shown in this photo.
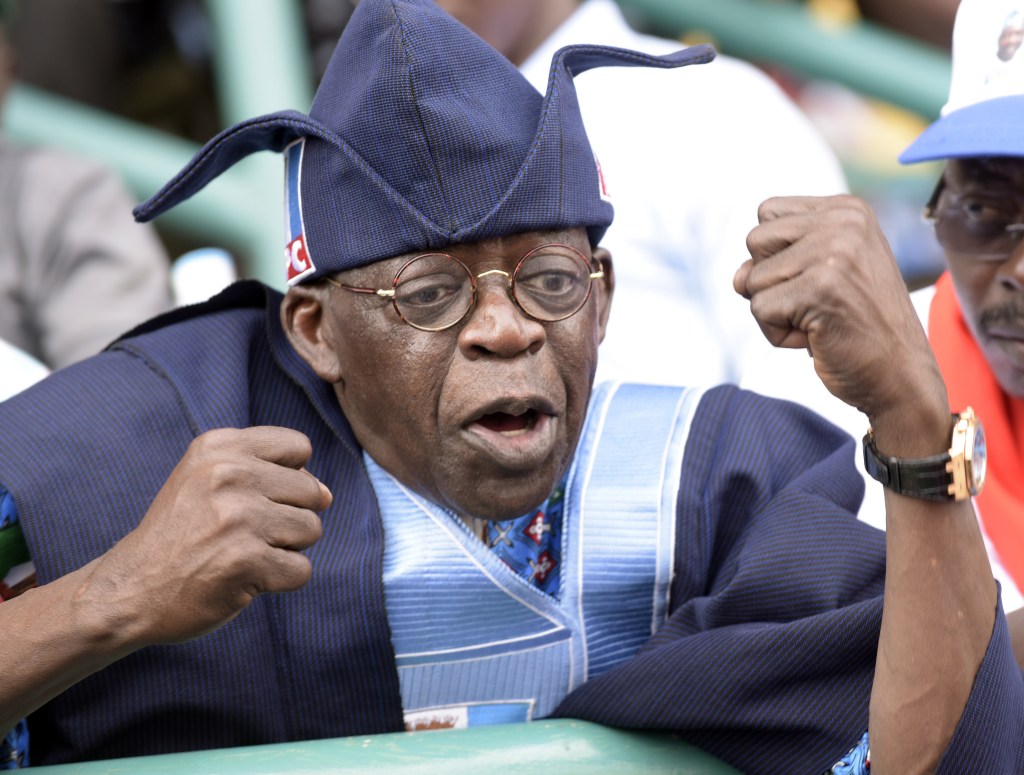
(974, 314)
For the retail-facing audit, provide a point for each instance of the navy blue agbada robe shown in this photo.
(766, 661)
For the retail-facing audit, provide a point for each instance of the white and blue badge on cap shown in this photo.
(984, 115)
(297, 261)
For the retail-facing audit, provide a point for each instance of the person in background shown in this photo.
(75, 271)
(687, 157)
(19, 370)
(974, 313)
(1011, 36)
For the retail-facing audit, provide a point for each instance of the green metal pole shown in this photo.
(144, 157)
(260, 57)
(862, 56)
(261, 65)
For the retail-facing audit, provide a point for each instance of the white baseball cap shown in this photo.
(984, 115)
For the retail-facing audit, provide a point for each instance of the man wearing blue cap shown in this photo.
(974, 314)
(496, 540)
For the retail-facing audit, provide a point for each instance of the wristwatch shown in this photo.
(955, 475)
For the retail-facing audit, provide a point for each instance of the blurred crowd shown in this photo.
(152, 61)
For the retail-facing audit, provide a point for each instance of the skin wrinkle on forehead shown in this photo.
(412, 397)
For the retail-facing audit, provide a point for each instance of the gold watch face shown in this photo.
(977, 458)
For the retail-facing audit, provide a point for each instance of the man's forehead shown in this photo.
(510, 247)
(993, 170)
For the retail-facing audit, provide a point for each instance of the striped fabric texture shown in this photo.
(765, 660)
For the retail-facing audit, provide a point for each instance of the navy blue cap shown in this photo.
(421, 136)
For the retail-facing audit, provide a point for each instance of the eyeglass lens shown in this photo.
(435, 291)
(983, 227)
(551, 283)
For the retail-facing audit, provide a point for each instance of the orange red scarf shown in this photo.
(970, 382)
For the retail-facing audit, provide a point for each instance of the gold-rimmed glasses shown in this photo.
(435, 291)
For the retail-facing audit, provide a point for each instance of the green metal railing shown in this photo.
(862, 56)
(145, 158)
(262, 65)
(562, 746)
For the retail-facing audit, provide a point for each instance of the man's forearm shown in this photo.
(54, 640)
(939, 609)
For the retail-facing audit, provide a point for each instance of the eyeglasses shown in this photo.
(436, 291)
(982, 227)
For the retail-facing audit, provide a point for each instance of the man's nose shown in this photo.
(1011, 271)
(496, 325)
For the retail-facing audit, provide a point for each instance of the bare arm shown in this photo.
(937, 619)
(228, 525)
(822, 277)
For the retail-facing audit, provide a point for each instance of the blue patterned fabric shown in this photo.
(990, 735)
(307, 665)
(771, 569)
(515, 649)
(421, 135)
(8, 512)
(532, 544)
(856, 762)
(14, 748)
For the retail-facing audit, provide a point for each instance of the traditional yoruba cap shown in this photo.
(985, 112)
(421, 136)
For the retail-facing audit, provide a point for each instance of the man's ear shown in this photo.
(606, 286)
(309, 328)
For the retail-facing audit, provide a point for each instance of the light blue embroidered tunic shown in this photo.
(515, 654)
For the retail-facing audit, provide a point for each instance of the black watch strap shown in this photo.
(926, 477)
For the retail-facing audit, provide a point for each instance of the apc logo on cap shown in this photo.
(297, 261)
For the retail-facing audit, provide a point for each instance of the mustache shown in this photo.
(1011, 313)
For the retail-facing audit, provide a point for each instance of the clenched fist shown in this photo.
(821, 276)
(228, 524)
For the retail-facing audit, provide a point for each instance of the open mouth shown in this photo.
(517, 434)
(503, 422)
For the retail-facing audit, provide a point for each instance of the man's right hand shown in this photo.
(228, 524)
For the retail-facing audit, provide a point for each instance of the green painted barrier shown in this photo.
(145, 158)
(561, 746)
(261, 58)
(862, 56)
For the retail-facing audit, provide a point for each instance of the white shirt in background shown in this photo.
(688, 155)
